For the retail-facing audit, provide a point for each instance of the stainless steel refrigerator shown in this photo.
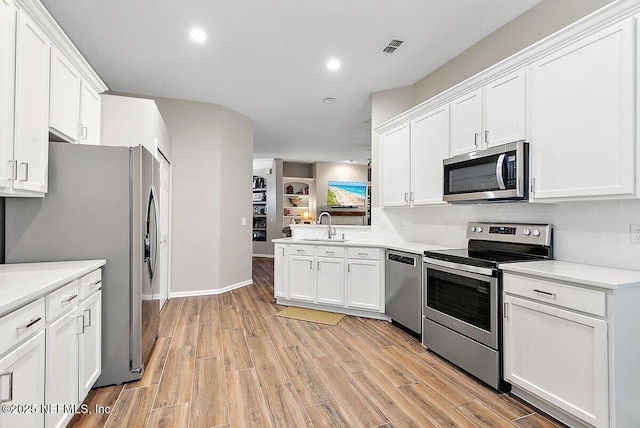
(101, 204)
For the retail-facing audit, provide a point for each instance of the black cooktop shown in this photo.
(491, 254)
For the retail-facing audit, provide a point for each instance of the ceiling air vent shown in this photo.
(392, 45)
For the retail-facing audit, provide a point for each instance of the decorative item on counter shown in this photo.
(295, 201)
(289, 189)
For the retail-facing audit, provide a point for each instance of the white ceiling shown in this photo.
(266, 59)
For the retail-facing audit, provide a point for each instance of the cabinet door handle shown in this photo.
(406, 197)
(84, 324)
(282, 251)
(349, 267)
(30, 324)
(79, 131)
(10, 398)
(411, 199)
(533, 185)
(505, 310)
(25, 170)
(81, 317)
(318, 265)
(546, 293)
(475, 139)
(68, 299)
(85, 132)
(13, 166)
(310, 265)
(486, 136)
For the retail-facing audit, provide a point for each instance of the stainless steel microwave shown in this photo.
(500, 173)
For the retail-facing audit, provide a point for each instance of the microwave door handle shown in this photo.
(499, 176)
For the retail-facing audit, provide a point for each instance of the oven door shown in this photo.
(464, 301)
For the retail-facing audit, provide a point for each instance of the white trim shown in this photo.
(270, 256)
(210, 291)
(337, 309)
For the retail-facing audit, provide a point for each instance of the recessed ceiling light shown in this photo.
(333, 64)
(198, 35)
(329, 100)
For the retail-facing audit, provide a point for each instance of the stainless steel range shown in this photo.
(462, 294)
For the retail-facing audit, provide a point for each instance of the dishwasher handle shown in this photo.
(398, 258)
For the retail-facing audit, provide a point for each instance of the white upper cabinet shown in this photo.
(429, 146)
(395, 158)
(64, 101)
(505, 109)
(582, 117)
(466, 123)
(31, 140)
(90, 114)
(74, 104)
(491, 115)
(7, 79)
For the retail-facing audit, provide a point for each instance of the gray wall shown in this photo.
(211, 168)
(325, 171)
(297, 169)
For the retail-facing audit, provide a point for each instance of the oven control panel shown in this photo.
(511, 232)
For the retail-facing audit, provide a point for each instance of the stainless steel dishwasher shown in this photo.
(403, 289)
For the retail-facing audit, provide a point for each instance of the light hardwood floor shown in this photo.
(228, 361)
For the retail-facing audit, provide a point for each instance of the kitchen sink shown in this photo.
(323, 240)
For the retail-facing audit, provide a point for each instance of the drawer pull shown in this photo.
(363, 254)
(29, 324)
(301, 251)
(93, 284)
(546, 293)
(68, 299)
(10, 374)
(330, 252)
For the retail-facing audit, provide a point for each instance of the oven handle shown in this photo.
(457, 267)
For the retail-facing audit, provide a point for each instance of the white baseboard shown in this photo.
(270, 256)
(210, 291)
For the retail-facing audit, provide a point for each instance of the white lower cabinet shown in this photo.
(559, 356)
(363, 284)
(280, 271)
(90, 344)
(302, 278)
(61, 391)
(330, 276)
(22, 383)
(330, 280)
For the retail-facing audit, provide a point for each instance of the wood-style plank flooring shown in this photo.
(228, 361)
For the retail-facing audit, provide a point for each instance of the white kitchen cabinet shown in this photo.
(330, 280)
(396, 172)
(31, 122)
(90, 114)
(429, 146)
(302, 278)
(22, 374)
(90, 344)
(412, 157)
(559, 356)
(466, 123)
(7, 80)
(62, 366)
(75, 106)
(280, 271)
(582, 117)
(64, 100)
(491, 115)
(364, 279)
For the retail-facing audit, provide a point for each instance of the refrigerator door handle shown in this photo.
(153, 260)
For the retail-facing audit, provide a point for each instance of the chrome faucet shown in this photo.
(319, 221)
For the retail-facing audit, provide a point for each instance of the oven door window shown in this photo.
(463, 298)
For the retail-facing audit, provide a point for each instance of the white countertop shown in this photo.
(22, 283)
(408, 246)
(596, 276)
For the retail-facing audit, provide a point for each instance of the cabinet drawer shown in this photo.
(18, 325)
(90, 283)
(364, 253)
(61, 300)
(330, 251)
(568, 296)
(302, 250)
